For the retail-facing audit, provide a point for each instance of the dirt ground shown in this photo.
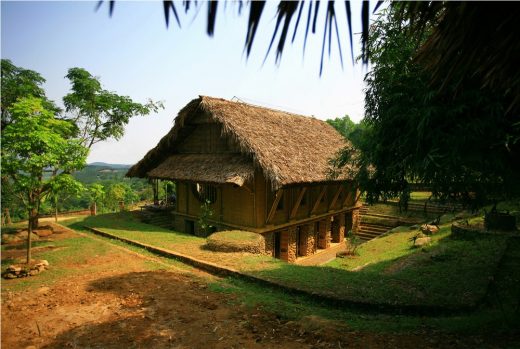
(135, 306)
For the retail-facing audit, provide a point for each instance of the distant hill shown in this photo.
(107, 165)
(101, 171)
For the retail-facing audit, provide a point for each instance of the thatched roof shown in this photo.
(288, 148)
(210, 168)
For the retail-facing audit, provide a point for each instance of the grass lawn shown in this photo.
(73, 255)
(390, 267)
(125, 225)
(448, 273)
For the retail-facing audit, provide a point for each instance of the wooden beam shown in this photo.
(279, 194)
(336, 196)
(297, 203)
(318, 200)
(347, 198)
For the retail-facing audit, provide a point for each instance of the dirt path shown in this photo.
(131, 304)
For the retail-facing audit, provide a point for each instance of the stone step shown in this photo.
(375, 228)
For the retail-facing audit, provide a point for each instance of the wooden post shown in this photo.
(155, 188)
(318, 200)
(7, 216)
(294, 210)
(279, 195)
(335, 198)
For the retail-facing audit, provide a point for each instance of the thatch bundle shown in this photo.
(288, 148)
(236, 241)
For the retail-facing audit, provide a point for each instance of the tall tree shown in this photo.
(18, 83)
(37, 151)
(454, 140)
(100, 114)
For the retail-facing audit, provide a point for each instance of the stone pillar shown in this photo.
(269, 244)
(356, 220)
(341, 223)
(288, 244)
(305, 231)
(338, 228)
(324, 235)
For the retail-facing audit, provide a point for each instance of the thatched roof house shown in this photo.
(288, 148)
(232, 145)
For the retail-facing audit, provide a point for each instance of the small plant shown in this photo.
(205, 214)
(352, 243)
(414, 238)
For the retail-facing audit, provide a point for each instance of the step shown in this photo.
(371, 232)
(376, 225)
(374, 229)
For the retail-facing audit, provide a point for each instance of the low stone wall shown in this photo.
(20, 271)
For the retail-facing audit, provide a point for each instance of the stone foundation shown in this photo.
(338, 228)
(324, 233)
(356, 220)
(288, 244)
(305, 232)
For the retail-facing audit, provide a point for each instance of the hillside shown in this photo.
(100, 171)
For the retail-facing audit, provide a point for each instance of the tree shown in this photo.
(18, 83)
(115, 194)
(343, 125)
(453, 140)
(37, 151)
(61, 188)
(100, 114)
(350, 130)
(97, 194)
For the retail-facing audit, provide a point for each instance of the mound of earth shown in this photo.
(236, 241)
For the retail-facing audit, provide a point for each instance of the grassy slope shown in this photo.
(490, 319)
(448, 273)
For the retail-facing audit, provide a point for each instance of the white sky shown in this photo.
(134, 54)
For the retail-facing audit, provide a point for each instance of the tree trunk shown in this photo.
(7, 216)
(56, 209)
(33, 218)
(29, 233)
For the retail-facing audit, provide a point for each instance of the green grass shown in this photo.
(66, 253)
(127, 226)
(449, 273)
(77, 226)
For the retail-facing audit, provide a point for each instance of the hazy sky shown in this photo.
(134, 54)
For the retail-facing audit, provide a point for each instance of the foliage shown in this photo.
(352, 243)
(354, 132)
(18, 83)
(35, 143)
(456, 145)
(63, 187)
(100, 114)
(288, 12)
(206, 213)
